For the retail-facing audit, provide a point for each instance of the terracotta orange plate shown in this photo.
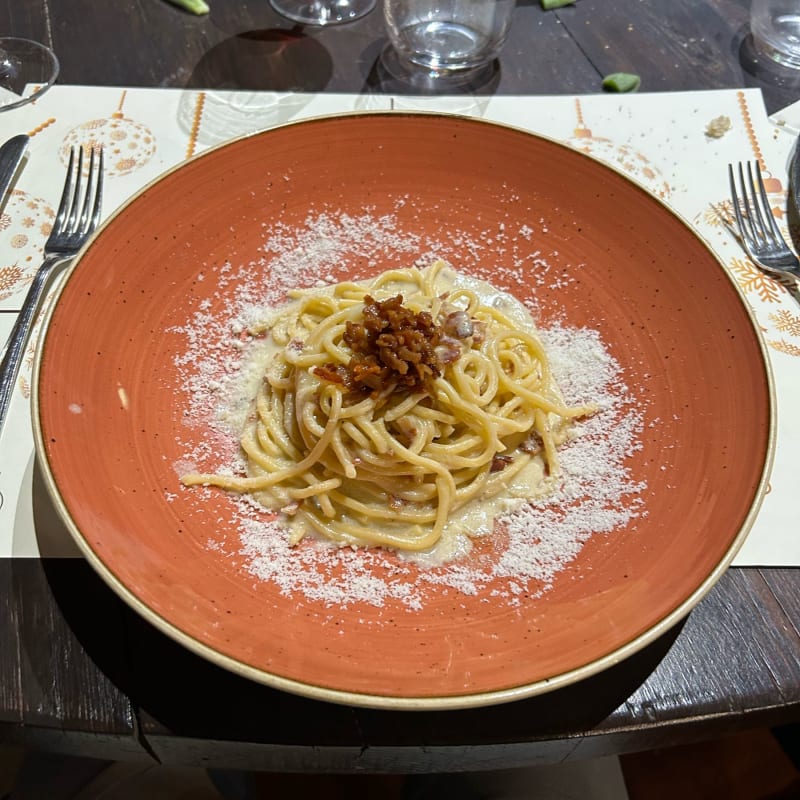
(148, 323)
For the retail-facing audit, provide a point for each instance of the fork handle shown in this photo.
(20, 333)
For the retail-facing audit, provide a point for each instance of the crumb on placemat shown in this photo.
(718, 127)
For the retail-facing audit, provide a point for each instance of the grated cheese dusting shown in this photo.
(597, 494)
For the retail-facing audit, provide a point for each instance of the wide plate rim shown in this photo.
(405, 702)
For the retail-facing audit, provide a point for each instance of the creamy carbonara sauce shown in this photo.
(421, 472)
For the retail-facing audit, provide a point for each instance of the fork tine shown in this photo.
(81, 226)
(771, 223)
(76, 197)
(98, 195)
(751, 215)
(94, 189)
(66, 194)
(747, 236)
(756, 205)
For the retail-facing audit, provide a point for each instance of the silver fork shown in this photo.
(760, 234)
(76, 219)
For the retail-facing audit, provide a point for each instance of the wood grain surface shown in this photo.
(81, 673)
(680, 45)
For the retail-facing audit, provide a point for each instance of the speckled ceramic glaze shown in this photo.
(110, 405)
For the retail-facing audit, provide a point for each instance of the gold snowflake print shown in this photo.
(786, 322)
(718, 214)
(752, 279)
(783, 346)
(30, 354)
(9, 277)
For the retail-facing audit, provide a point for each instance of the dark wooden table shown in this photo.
(80, 673)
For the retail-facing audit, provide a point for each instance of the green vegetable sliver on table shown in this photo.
(621, 82)
(548, 4)
(195, 6)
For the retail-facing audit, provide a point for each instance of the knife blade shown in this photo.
(11, 154)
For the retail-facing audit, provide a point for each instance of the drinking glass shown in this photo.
(448, 36)
(775, 25)
(24, 62)
(323, 12)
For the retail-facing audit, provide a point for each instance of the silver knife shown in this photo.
(794, 182)
(11, 154)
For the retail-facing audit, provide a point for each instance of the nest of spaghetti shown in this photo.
(392, 410)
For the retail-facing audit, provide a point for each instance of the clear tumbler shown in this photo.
(448, 36)
(775, 25)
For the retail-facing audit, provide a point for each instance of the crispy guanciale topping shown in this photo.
(392, 347)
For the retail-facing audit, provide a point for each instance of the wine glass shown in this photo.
(323, 12)
(24, 63)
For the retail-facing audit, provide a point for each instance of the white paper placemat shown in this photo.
(666, 142)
